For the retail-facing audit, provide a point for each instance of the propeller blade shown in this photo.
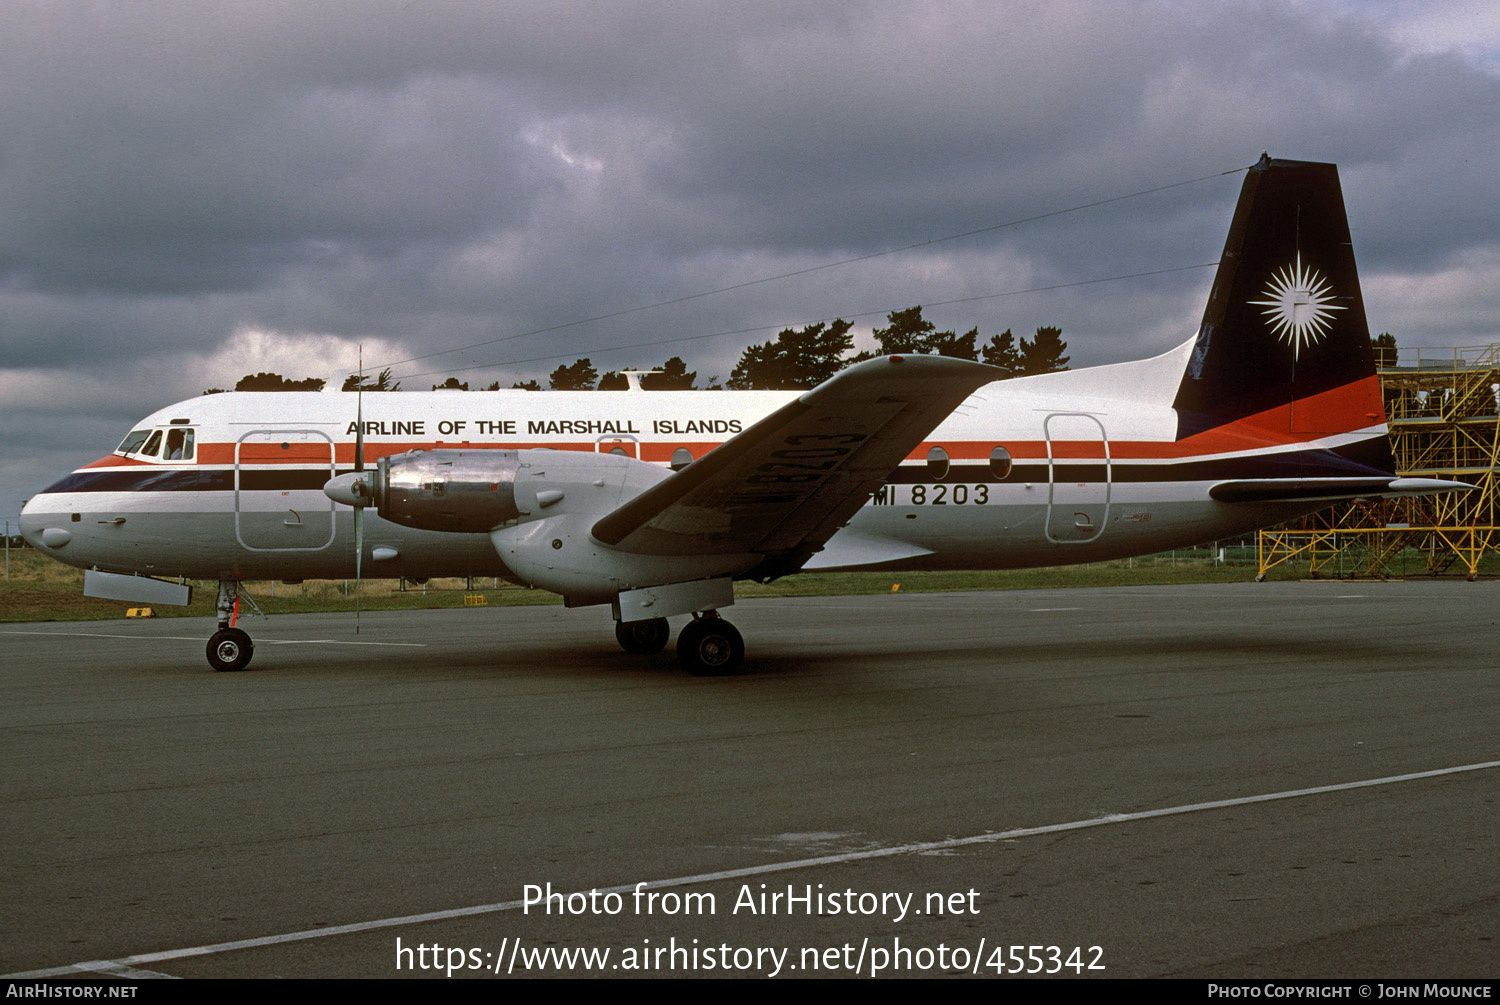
(359, 555)
(359, 427)
(358, 487)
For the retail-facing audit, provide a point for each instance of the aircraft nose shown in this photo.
(352, 489)
(42, 530)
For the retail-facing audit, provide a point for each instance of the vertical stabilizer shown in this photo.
(1284, 344)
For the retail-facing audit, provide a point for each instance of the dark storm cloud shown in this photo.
(193, 191)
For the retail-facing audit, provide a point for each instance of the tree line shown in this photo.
(797, 358)
(804, 357)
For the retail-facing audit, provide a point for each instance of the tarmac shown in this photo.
(1270, 780)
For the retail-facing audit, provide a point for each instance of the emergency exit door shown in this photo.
(1078, 470)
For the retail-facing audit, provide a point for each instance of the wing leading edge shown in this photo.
(784, 486)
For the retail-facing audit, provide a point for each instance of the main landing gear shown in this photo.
(230, 648)
(643, 637)
(707, 646)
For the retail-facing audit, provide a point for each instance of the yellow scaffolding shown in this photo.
(1443, 411)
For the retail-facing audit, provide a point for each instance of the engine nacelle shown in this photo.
(475, 491)
(466, 491)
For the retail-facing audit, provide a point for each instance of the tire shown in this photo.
(230, 649)
(642, 637)
(710, 647)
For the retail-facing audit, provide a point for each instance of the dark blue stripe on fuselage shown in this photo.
(191, 480)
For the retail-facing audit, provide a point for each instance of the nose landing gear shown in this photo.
(230, 648)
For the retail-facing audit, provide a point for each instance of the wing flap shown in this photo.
(850, 550)
(784, 486)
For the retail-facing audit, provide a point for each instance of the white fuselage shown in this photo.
(1059, 469)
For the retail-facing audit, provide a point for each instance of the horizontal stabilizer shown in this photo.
(1330, 489)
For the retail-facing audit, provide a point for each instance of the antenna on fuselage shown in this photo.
(633, 378)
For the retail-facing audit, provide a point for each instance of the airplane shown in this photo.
(656, 503)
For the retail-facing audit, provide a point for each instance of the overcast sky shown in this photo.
(193, 191)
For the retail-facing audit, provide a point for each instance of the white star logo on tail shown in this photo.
(1300, 306)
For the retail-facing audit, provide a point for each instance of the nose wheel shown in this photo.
(710, 647)
(230, 649)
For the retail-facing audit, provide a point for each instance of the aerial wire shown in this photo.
(781, 326)
(799, 272)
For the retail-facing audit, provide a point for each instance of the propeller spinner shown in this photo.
(354, 488)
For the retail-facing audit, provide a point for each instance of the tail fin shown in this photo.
(1284, 343)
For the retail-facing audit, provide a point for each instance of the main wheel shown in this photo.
(230, 649)
(710, 647)
(639, 637)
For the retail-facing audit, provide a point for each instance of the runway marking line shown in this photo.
(128, 963)
(195, 638)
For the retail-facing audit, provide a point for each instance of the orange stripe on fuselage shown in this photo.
(114, 461)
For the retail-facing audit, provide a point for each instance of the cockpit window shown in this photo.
(133, 442)
(153, 445)
(179, 444)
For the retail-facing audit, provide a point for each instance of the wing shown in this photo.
(784, 486)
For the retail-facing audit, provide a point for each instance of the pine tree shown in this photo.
(276, 382)
(796, 358)
(581, 376)
(1044, 353)
(1386, 352)
(354, 382)
(910, 333)
(955, 346)
(1001, 351)
(906, 332)
(673, 375)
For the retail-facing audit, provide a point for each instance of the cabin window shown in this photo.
(681, 458)
(153, 445)
(133, 442)
(937, 463)
(1000, 464)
